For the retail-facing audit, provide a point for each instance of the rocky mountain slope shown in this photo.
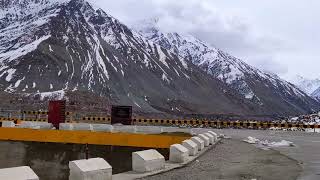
(316, 94)
(310, 86)
(48, 47)
(253, 84)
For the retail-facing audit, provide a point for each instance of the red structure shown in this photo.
(121, 115)
(57, 110)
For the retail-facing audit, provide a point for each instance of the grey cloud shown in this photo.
(266, 39)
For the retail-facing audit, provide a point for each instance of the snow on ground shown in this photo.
(57, 95)
(265, 144)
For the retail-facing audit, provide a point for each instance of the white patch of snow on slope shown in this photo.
(53, 95)
(11, 55)
(10, 74)
(162, 56)
(221, 65)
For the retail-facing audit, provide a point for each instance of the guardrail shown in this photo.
(168, 122)
(40, 112)
(97, 119)
(221, 124)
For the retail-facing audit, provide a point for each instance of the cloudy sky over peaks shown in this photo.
(282, 37)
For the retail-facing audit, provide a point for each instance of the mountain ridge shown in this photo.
(69, 45)
(310, 86)
(232, 71)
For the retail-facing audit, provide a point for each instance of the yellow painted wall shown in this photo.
(88, 137)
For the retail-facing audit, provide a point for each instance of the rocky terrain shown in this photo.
(68, 49)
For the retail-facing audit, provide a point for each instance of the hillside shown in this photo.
(50, 47)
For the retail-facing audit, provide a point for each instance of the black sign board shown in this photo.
(121, 114)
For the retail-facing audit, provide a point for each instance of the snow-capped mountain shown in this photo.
(47, 47)
(50, 46)
(307, 85)
(250, 82)
(316, 94)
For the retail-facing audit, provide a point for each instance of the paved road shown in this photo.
(307, 150)
(236, 160)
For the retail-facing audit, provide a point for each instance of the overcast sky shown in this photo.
(279, 36)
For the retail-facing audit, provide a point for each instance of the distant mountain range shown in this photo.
(316, 94)
(310, 86)
(48, 47)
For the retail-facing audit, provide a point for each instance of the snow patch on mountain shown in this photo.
(25, 24)
(56, 95)
(22, 26)
(22, 50)
(307, 85)
(316, 94)
(228, 69)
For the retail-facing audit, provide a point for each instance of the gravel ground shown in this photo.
(306, 151)
(236, 160)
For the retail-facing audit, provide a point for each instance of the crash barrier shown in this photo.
(91, 137)
(40, 112)
(70, 116)
(221, 124)
(97, 119)
(144, 163)
(26, 119)
(150, 162)
(191, 123)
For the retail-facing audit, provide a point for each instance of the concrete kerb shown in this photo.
(199, 142)
(7, 124)
(210, 136)
(18, 173)
(147, 161)
(191, 146)
(124, 129)
(149, 129)
(215, 135)
(205, 139)
(131, 175)
(66, 126)
(35, 125)
(93, 169)
(176, 130)
(82, 127)
(178, 153)
(102, 127)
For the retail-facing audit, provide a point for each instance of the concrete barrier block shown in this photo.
(8, 124)
(18, 173)
(191, 146)
(211, 138)
(149, 129)
(66, 126)
(215, 135)
(205, 139)
(199, 142)
(102, 127)
(90, 169)
(146, 161)
(176, 130)
(82, 127)
(35, 125)
(124, 129)
(178, 153)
